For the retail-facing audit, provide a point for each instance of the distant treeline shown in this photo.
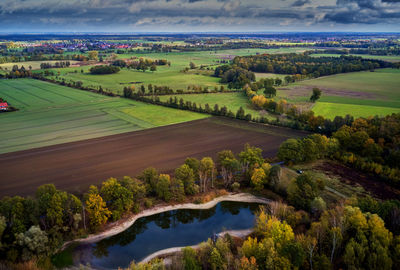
(306, 65)
(370, 51)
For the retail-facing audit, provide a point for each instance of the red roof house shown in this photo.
(3, 106)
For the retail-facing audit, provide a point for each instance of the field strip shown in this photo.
(52, 91)
(256, 127)
(99, 114)
(25, 91)
(128, 118)
(6, 94)
(70, 136)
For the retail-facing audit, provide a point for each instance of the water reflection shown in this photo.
(165, 230)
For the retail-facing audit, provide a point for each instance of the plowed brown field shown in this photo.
(74, 166)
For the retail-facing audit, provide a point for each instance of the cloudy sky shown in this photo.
(198, 15)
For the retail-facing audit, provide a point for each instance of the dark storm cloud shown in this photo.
(131, 15)
(300, 3)
(365, 12)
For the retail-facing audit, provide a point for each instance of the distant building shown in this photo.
(3, 106)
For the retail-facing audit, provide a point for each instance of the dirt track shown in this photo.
(74, 166)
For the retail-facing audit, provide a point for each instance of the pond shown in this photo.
(175, 228)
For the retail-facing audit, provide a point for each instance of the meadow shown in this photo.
(165, 75)
(51, 114)
(233, 101)
(357, 93)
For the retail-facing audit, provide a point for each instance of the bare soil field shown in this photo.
(75, 166)
(353, 177)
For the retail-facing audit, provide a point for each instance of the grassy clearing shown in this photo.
(34, 64)
(52, 114)
(389, 58)
(233, 101)
(336, 109)
(357, 93)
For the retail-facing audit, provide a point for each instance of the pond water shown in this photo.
(165, 230)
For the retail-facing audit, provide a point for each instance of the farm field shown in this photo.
(168, 76)
(51, 114)
(233, 101)
(357, 93)
(74, 166)
(34, 64)
(389, 58)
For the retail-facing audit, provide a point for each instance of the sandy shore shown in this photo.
(170, 251)
(118, 227)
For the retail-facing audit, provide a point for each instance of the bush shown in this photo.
(104, 69)
(235, 186)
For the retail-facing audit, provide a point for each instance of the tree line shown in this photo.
(343, 237)
(304, 64)
(55, 65)
(370, 145)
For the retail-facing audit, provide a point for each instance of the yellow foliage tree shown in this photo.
(97, 210)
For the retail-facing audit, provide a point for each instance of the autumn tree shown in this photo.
(258, 179)
(97, 210)
(93, 55)
(206, 172)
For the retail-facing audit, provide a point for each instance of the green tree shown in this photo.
(185, 174)
(206, 172)
(303, 189)
(163, 187)
(270, 91)
(189, 259)
(316, 94)
(215, 260)
(290, 151)
(250, 157)
(150, 177)
(33, 242)
(194, 164)
(228, 166)
(119, 199)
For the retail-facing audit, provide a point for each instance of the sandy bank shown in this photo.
(170, 251)
(120, 226)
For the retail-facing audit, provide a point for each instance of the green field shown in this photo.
(166, 76)
(33, 64)
(51, 114)
(389, 58)
(233, 101)
(357, 93)
(335, 109)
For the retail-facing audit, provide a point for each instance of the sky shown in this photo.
(135, 16)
